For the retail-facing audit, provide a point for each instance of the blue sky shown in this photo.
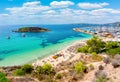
(58, 11)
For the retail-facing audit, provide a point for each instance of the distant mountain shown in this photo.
(107, 24)
(114, 24)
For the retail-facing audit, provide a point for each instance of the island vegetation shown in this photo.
(31, 29)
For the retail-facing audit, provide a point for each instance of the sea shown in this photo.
(20, 50)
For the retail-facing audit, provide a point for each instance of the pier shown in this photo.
(84, 31)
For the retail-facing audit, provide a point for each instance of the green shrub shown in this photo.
(49, 79)
(95, 45)
(79, 67)
(2, 75)
(83, 49)
(112, 45)
(58, 76)
(101, 79)
(19, 72)
(41, 77)
(97, 57)
(47, 68)
(94, 53)
(91, 66)
(39, 70)
(111, 52)
(27, 68)
(3, 78)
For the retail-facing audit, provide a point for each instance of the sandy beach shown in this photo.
(62, 55)
(67, 53)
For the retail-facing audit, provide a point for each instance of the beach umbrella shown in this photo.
(54, 57)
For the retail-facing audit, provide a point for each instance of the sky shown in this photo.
(13, 12)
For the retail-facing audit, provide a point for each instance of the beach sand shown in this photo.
(67, 53)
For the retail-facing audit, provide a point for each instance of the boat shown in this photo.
(8, 37)
(23, 35)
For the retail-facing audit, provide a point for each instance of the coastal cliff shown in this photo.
(31, 29)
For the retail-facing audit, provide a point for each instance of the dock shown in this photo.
(83, 31)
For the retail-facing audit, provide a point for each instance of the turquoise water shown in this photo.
(20, 50)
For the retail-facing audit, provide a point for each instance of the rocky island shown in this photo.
(31, 29)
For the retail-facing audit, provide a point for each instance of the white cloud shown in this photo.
(59, 12)
(61, 4)
(66, 12)
(50, 12)
(104, 11)
(92, 5)
(4, 15)
(79, 12)
(28, 8)
(35, 3)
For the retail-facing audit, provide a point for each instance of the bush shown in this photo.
(97, 57)
(2, 75)
(106, 60)
(112, 52)
(79, 67)
(94, 53)
(58, 76)
(100, 73)
(19, 72)
(27, 68)
(3, 78)
(112, 45)
(86, 70)
(101, 79)
(83, 49)
(41, 77)
(117, 57)
(95, 45)
(39, 70)
(91, 66)
(47, 69)
(115, 63)
(49, 79)
(101, 67)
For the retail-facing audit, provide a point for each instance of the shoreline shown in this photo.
(37, 54)
(48, 58)
(66, 54)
